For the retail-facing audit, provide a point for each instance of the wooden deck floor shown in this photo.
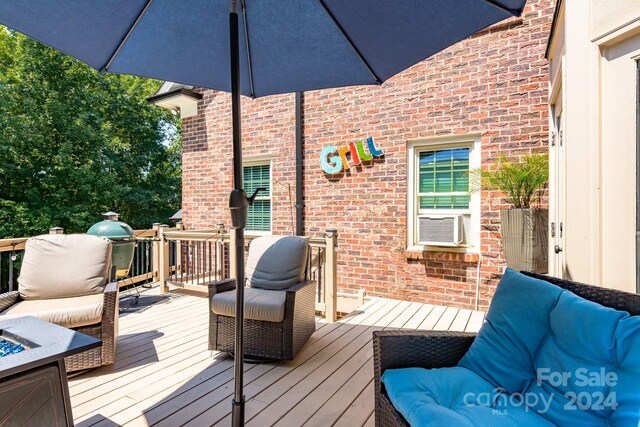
(165, 376)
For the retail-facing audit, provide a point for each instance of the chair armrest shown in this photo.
(8, 299)
(109, 325)
(299, 296)
(221, 286)
(300, 286)
(405, 349)
(420, 349)
(110, 305)
(111, 287)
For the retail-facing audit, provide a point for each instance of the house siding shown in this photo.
(493, 84)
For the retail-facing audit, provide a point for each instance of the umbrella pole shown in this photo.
(238, 204)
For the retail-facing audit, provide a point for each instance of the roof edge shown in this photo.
(180, 91)
(554, 23)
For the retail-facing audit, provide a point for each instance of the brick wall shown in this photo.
(494, 83)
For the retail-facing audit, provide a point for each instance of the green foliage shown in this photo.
(521, 181)
(74, 144)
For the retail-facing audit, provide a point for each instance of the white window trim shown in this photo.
(259, 160)
(415, 146)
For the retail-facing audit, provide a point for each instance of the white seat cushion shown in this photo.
(68, 312)
(259, 304)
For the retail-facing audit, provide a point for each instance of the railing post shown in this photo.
(232, 253)
(331, 276)
(56, 230)
(178, 246)
(361, 295)
(155, 251)
(219, 273)
(163, 257)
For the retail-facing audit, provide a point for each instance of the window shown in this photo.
(444, 179)
(257, 175)
(438, 193)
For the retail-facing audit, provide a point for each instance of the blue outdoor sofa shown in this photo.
(551, 352)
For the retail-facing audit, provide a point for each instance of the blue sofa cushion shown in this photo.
(516, 325)
(575, 362)
(627, 389)
(576, 365)
(454, 397)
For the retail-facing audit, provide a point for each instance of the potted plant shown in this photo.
(523, 228)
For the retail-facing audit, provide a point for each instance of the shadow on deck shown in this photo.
(164, 375)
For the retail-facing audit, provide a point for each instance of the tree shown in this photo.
(75, 143)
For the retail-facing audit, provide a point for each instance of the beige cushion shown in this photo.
(64, 265)
(259, 304)
(68, 312)
(276, 262)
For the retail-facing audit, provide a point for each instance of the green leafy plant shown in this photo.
(521, 181)
(75, 143)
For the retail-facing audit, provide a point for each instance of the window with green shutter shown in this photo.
(443, 179)
(256, 176)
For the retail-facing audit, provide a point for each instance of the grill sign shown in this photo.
(333, 163)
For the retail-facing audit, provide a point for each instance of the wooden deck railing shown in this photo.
(143, 267)
(193, 259)
(202, 257)
(10, 261)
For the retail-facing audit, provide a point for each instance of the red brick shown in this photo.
(493, 83)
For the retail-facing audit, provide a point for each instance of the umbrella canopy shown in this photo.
(285, 46)
(253, 47)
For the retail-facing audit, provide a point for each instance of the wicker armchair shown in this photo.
(438, 349)
(64, 280)
(279, 304)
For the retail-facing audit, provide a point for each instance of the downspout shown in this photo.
(299, 167)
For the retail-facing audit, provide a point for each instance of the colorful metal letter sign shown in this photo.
(333, 163)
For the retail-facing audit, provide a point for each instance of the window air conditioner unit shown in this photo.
(440, 230)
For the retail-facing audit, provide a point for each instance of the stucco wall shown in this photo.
(608, 15)
(618, 151)
(599, 110)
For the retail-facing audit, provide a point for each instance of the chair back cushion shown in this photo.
(578, 366)
(276, 262)
(574, 361)
(516, 325)
(64, 265)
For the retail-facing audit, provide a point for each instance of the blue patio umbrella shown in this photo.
(255, 48)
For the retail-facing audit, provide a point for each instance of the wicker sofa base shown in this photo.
(405, 349)
(386, 414)
(439, 349)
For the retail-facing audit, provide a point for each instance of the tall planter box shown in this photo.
(525, 238)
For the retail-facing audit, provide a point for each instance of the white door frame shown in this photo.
(557, 176)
